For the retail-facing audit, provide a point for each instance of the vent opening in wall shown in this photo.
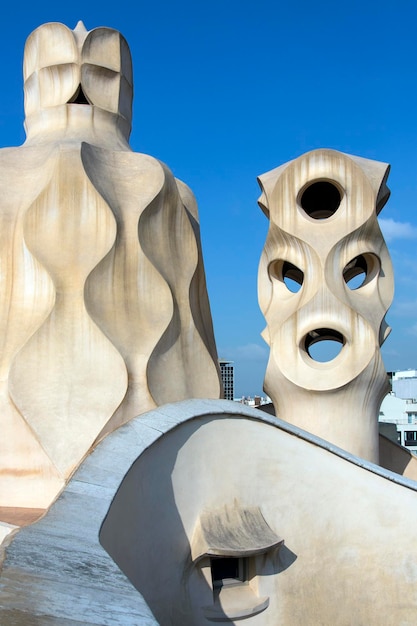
(323, 344)
(361, 270)
(227, 571)
(287, 273)
(233, 547)
(320, 200)
(79, 97)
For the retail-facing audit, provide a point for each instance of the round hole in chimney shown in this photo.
(321, 199)
(323, 344)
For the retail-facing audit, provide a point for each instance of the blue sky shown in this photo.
(225, 91)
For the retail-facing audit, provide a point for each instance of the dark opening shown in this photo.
(79, 97)
(321, 200)
(410, 437)
(323, 344)
(225, 568)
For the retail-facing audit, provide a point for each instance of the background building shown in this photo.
(400, 407)
(404, 384)
(227, 374)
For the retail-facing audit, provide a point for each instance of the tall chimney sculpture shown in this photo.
(104, 312)
(325, 276)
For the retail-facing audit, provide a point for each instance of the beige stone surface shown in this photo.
(396, 458)
(323, 234)
(103, 311)
(148, 489)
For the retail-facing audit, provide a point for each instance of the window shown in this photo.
(235, 596)
(410, 438)
(233, 547)
(226, 571)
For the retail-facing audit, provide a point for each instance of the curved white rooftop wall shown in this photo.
(346, 523)
(345, 543)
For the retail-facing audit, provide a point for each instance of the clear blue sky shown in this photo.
(225, 91)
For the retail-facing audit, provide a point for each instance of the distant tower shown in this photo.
(227, 374)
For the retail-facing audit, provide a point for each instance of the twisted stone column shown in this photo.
(325, 276)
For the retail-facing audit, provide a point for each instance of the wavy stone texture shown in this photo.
(104, 312)
(324, 236)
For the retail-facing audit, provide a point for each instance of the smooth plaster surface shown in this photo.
(346, 524)
(396, 458)
(104, 312)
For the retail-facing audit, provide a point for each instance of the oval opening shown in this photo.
(287, 273)
(359, 270)
(320, 200)
(324, 344)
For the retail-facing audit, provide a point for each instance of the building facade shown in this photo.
(227, 375)
(400, 407)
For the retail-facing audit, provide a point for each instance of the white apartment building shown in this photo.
(400, 407)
